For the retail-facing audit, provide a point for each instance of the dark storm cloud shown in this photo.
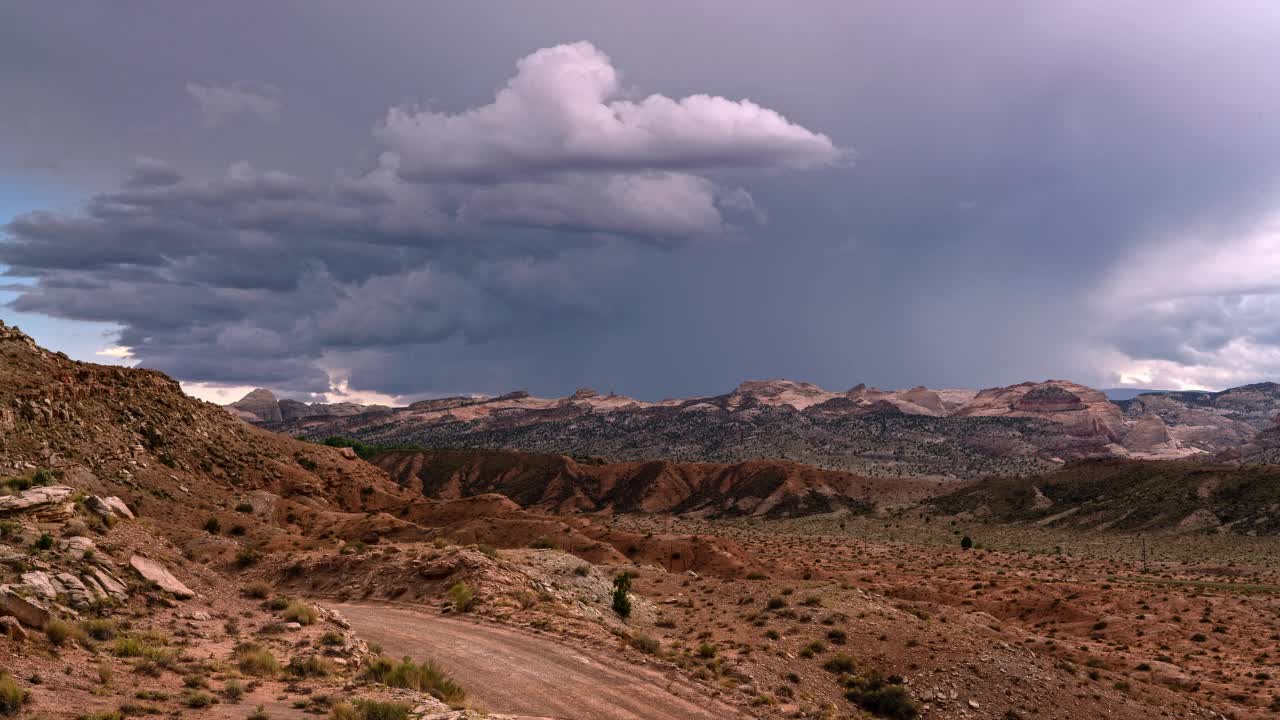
(255, 276)
(1033, 183)
(218, 103)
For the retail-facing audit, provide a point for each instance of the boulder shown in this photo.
(34, 499)
(110, 583)
(40, 584)
(108, 507)
(159, 575)
(27, 611)
(12, 629)
(77, 546)
(349, 453)
(80, 597)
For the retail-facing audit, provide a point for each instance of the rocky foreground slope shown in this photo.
(147, 538)
(1021, 429)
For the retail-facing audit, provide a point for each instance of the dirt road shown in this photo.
(510, 671)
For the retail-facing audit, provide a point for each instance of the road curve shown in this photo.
(510, 671)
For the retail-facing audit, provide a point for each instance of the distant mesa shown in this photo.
(1028, 427)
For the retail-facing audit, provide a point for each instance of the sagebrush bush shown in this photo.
(299, 613)
(646, 644)
(99, 628)
(423, 677)
(382, 710)
(12, 695)
(312, 666)
(253, 659)
(841, 663)
(59, 631)
(258, 590)
(461, 597)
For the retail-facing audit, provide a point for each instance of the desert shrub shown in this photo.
(299, 613)
(196, 699)
(706, 650)
(42, 477)
(646, 644)
(103, 715)
(837, 637)
(233, 690)
(775, 603)
(344, 711)
(966, 542)
(253, 659)
(369, 710)
(12, 695)
(44, 542)
(488, 550)
(258, 590)
(212, 526)
(382, 710)
(278, 603)
(582, 570)
(423, 677)
(543, 543)
(244, 507)
(461, 597)
(99, 628)
(313, 666)
(238, 530)
(59, 631)
(74, 527)
(246, 556)
(882, 697)
(622, 586)
(332, 637)
(143, 645)
(841, 663)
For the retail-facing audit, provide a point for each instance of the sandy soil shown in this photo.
(511, 671)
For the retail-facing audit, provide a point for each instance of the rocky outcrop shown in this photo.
(26, 610)
(260, 403)
(108, 507)
(157, 574)
(1081, 411)
(35, 499)
(1149, 434)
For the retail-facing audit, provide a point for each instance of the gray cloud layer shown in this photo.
(255, 276)
(1082, 189)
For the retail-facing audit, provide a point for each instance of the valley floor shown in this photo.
(513, 671)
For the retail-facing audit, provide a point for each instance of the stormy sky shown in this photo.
(395, 200)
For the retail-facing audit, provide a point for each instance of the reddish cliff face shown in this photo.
(1082, 411)
(561, 484)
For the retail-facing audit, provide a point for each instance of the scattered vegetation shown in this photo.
(423, 677)
(253, 659)
(300, 613)
(461, 597)
(12, 695)
(621, 601)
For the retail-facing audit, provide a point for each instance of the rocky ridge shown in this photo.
(1024, 428)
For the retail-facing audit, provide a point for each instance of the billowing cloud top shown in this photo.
(456, 235)
(561, 112)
